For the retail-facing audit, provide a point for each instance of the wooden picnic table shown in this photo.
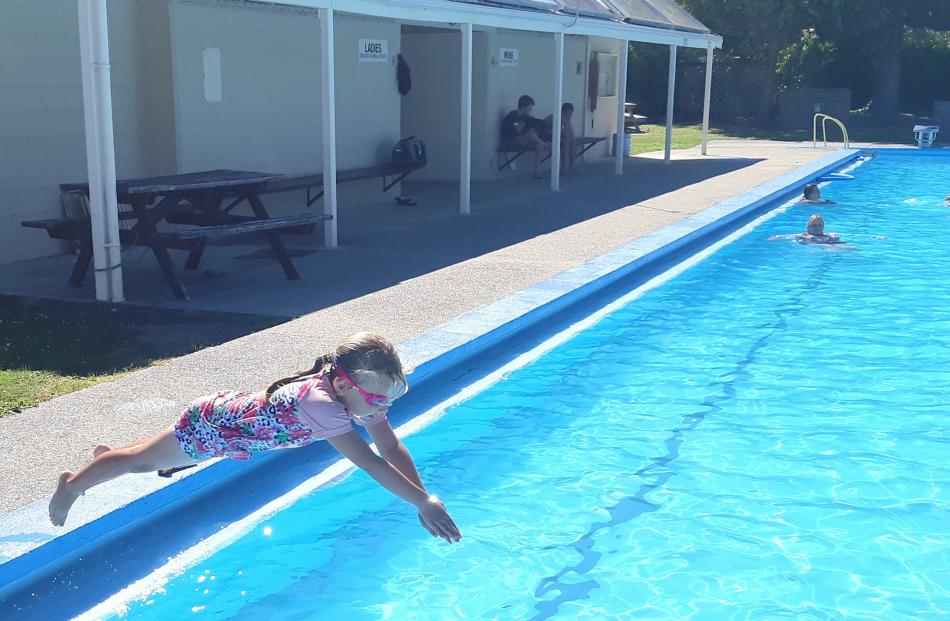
(190, 198)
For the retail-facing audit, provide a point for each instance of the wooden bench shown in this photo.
(74, 230)
(195, 239)
(192, 239)
(390, 173)
(583, 143)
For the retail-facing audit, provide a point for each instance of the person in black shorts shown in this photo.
(520, 130)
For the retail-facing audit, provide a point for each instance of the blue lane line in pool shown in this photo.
(631, 507)
(63, 570)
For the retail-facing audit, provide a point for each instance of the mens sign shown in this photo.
(374, 51)
(508, 57)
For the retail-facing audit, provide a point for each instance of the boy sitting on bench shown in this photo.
(519, 131)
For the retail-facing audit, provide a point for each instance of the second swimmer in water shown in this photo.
(812, 194)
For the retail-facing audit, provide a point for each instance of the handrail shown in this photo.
(824, 132)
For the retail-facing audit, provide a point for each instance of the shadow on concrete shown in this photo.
(382, 244)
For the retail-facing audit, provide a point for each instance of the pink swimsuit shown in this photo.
(238, 424)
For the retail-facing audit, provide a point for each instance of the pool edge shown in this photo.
(434, 352)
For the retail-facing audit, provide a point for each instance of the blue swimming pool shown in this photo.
(762, 436)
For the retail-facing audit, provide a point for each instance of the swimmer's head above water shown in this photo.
(815, 232)
(811, 192)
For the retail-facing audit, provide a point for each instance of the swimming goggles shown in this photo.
(372, 399)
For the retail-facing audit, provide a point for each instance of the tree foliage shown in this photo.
(866, 45)
(758, 31)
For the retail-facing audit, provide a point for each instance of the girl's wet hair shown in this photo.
(363, 356)
(810, 188)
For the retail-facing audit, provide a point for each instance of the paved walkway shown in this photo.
(401, 272)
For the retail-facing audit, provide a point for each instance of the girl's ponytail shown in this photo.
(364, 355)
(319, 365)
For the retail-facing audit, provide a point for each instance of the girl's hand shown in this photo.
(437, 520)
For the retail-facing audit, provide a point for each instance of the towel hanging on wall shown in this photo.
(402, 75)
(593, 78)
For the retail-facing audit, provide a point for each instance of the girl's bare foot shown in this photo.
(63, 498)
(100, 449)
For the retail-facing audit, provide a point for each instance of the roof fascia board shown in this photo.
(447, 12)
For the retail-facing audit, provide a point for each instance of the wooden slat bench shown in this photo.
(509, 152)
(75, 230)
(390, 173)
(192, 239)
(195, 239)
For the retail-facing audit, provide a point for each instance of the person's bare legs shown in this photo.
(102, 448)
(567, 162)
(541, 150)
(155, 453)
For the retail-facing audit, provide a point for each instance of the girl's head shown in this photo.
(816, 225)
(365, 372)
(812, 192)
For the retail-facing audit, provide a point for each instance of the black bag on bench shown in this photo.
(410, 152)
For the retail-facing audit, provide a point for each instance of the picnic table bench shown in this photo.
(511, 152)
(630, 119)
(192, 198)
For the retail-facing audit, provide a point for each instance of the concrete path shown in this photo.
(401, 272)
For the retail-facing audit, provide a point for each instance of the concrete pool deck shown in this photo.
(403, 288)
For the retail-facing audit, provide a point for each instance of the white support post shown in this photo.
(100, 149)
(328, 102)
(671, 87)
(556, 117)
(585, 125)
(465, 172)
(619, 154)
(706, 96)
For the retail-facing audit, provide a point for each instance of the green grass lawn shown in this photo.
(860, 129)
(53, 348)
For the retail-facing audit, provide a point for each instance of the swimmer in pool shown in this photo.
(946, 202)
(812, 194)
(814, 233)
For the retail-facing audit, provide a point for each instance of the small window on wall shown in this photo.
(607, 80)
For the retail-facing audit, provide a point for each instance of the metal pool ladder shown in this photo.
(824, 133)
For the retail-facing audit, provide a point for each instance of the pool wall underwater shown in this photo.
(73, 572)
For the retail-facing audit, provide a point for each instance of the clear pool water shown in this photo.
(762, 437)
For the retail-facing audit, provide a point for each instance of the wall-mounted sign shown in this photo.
(508, 57)
(374, 51)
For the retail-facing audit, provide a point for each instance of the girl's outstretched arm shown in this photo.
(392, 449)
(352, 446)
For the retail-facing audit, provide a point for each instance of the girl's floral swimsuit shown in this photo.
(238, 424)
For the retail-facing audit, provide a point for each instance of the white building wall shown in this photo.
(603, 122)
(368, 101)
(501, 86)
(269, 117)
(156, 101)
(432, 108)
(42, 140)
